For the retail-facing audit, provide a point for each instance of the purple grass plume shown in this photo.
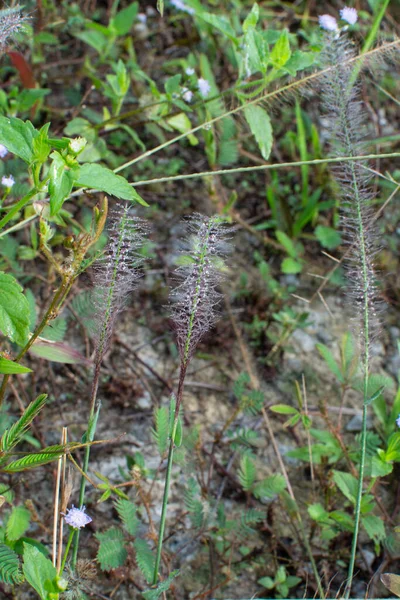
(118, 271)
(195, 299)
(11, 22)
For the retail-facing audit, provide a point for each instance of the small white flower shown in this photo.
(398, 421)
(77, 144)
(328, 23)
(189, 71)
(3, 151)
(204, 87)
(187, 95)
(180, 5)
(349, 15)
(8, 181)
(142, 18)
(76, 517)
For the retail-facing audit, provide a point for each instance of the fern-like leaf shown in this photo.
(127, 513)
(37, 459)
(270, 486)
(163, 586)
(111, 553)
(9, 566)
(250, 517)
(13, 435)
(194, 504)
(160, 433)
(247, 472)
(145, 559)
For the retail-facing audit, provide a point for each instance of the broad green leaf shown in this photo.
(123, 20)
(95, 39)
(290, 266)
(287, 243)
(260, 126)
(17, 136)
(9, 367)
(17, 523)
(298, 61)
(100, 178)
(266, 582)
(14, 310)
(328, 238)
(375, 527)
(58, 352)
(392, 582)
(182, 124)
(317, 512)
(221, 23)
(347, 484)
(40, 573)
(61, 181)
(281, 52)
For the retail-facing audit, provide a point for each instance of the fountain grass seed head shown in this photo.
(11, 22)
(195, 299)
(118, 270)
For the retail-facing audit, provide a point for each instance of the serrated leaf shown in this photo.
(144, 558)
(347, 484)
(111, 553)
(9, 566)
(17, 136)
(260, 126)
(374, 526)
(14, 310)
(40, 573)
(9, 367)
(100, 178)
(17, 523)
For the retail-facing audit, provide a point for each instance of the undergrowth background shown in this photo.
(258, 493)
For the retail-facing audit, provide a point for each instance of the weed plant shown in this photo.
(212, 508)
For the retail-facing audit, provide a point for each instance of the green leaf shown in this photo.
(330, 361)
(123, 20)
(181, 123)
(144, 558)
(347, 484)
(37, 459)
(267, 582)
(283, 409)
(9, 566)
(17, 136)
(14, 310)
(9, 367)
(252, 18)
(61, 181)
(55, 331)
(328, 238)
(111, 553)
(375, 527)
(290, 266)
(160, 7)
(287, 243)
(163, 586)
(17, 523)
(247, 472)
(260, 126)
(100, 178)
(13, 435)
(375, 396)
(221, 23)
(281, 52)
(392, 582)
(317, 512)
(58, 352)
(298, 61)
(270, 486)
(127, 513)
(40, 573)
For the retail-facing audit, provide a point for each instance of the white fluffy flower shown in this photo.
(3, 151)
(189, 71)
(8, 181)
(76, 517)
(349, 15)
(180, 5)
(328, 23)
(204, 87)
(187, 95)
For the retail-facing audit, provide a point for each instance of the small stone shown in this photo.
(304, 340)
(355, 423)
(145, 402)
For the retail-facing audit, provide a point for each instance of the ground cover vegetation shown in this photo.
(200, 356)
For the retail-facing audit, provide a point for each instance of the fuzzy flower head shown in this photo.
(328, 23)
(8, 181)
(117, 272)
(76, 517)
(195, 298)
(349, 15)
(3, 151)
(11, 22)
(204, 87)
(398, 421)
(187, 95)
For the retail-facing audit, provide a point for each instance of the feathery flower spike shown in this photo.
(328, 23)
(76, 517)
(349, 15)
(11, 22)
(195, 299)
